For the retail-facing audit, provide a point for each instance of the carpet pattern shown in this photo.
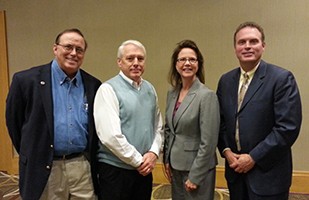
(9, 191)
(163, 192)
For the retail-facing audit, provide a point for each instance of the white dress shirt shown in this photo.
(108, 125)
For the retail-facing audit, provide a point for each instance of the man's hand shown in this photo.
(245, 163)
(231, 158)
(241, 163)
(148, 164)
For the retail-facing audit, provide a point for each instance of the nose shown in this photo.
(135, 61)
(187, 62)
(74, 51)
(247, 44)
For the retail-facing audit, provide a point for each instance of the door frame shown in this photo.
(8, 157)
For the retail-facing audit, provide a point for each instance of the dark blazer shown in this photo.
(192, 135)
(269, 123)
(29, 118)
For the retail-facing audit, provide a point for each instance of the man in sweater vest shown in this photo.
(129, 125)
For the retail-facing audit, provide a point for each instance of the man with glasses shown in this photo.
(129, 125)
(49, 115)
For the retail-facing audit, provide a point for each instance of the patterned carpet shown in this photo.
(9, 191)
(8, 187)
(163, 192)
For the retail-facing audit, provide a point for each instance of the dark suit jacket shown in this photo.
(192, 135)
(29, 118)
(269, 123)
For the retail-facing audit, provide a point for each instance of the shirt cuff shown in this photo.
(224, 150)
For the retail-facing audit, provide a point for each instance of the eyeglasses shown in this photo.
(184, 60)
(69, 48)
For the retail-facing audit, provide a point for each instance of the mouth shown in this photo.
(135, 71)
(72, 61)
(248, 54)
(187, 69)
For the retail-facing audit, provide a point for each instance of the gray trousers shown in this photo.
(205, 190)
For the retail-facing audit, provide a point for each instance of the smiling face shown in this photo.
(132, 62)
(249, 47)
(70, 60)
(187, 64)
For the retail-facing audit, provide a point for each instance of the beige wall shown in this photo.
(33, 25)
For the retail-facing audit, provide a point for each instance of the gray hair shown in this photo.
(133, 42)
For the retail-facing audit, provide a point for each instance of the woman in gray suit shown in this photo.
(191, 128)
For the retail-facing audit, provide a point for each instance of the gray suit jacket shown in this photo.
(191, 136)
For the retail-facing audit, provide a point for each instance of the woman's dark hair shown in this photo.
(173, 77)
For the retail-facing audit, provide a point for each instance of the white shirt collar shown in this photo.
(133, 83)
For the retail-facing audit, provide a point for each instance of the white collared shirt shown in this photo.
(133, 83)
(108, 125)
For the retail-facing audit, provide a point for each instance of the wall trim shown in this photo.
(300, 180)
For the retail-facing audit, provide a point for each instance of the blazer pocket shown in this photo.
(191, 146)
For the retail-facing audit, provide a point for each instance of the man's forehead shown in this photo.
(130, 48)
(248, 32)
(139, 53)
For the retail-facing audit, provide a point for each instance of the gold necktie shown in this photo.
(243, 89)
(241, 96)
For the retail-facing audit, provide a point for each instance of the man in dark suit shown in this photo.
(49, 115)
(257, 132)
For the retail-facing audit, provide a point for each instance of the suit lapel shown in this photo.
(171, 106)
(255, 84)
(232, 90)
(234, 87)
(186, 101)
(46, 95)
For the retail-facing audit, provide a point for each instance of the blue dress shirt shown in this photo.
(70, 112)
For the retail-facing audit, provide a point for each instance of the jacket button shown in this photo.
(47, 167)
(51, 146)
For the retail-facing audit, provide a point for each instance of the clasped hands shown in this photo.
(241, 163)
(148, 164)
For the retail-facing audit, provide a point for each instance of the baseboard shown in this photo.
(299, 185)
